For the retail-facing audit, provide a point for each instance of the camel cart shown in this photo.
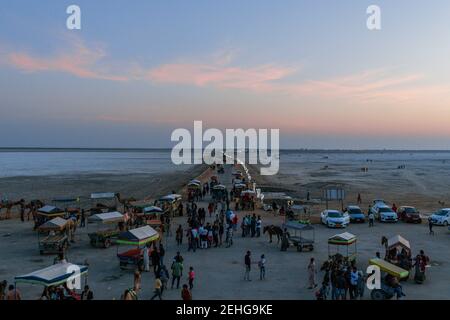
(169, 203)
(296, 231)
(151, 216)
(346, 240)
(102, 202)
(56, 275)
(47, 213)
(108, 228)
(398, 252)
(53, 236)
(136, 238)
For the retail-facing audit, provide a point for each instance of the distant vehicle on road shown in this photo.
(355, 213)
(441, 217)
(409, 214)
(334, 219)
(384, 213)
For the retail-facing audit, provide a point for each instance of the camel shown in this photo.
(8, 205)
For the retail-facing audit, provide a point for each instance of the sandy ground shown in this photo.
(220, 270)
(138, 186)
(423, 183)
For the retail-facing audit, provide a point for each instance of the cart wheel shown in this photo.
(378, 295)
(107, 243)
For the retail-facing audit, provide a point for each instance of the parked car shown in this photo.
(441, 217)
(355, 213)
(409, 214)
(384, 213)
(334, 219)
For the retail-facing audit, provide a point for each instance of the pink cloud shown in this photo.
(221, 76)
(79, 61)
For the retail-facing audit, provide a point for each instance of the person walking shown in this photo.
(177, 273)
(179, 235)
(258, 227)
(248, 264)
(262, 268)
(158, 287)
(354, 276)
(191, 277)
(162, 253)
(146, 257)
(371, 218)
(312, 271)
(430, 226)
(359, 200)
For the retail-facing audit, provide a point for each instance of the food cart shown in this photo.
(386, 291)
(279, 198)
(296, 231)
(398, 252)
(346, 240)
(71, 205)
(108, 227)
(194, 187)
(219, 192)
(214, 181)
(47, 213)
(102, 202)
(137, 238)
(248, 198)
(151, 216)
(53, 236)
(56, 275)
(169, 203)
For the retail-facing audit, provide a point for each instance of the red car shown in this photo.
(409, 214)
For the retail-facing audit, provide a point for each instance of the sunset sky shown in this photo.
(139, 69)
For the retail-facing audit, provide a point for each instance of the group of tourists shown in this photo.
(341, 280)
(251, 226)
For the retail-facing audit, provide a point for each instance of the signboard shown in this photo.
(334, 194)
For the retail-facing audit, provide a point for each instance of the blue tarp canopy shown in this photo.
(51, 276)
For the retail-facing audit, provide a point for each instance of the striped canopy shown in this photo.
(54, 224)
(138, 236)
(343, 239)
(51, 276)
(108, 217)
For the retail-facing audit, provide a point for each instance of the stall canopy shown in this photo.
(195, 181)
(389, 268)
(170, 197)
(50, 210)
(51, 276)
(398, 241)
(219, 187)
(54, 224)
(108, 217)
(66, 199)
(139, 236)
(343, 239)
(103, 195)
(153, 209)
(142, 204)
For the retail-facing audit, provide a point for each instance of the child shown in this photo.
(191, 277)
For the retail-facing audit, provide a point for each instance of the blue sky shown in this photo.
(139, 69)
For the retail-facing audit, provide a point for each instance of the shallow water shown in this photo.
(51, 162)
